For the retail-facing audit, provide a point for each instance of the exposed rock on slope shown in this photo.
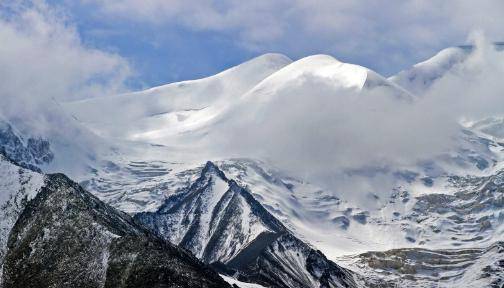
(413, 267)
(222, 223)
(17, 187)
(29, 153)
(67, 237)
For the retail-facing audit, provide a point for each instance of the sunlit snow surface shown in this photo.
(159, 113)
(164, 114)
(338, 220)
(231, 281)
(152, 146)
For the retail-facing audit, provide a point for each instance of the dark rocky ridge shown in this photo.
(273, 258)
(28, 154)
(66, 237)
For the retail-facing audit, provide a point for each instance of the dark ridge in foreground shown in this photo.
(66, 237)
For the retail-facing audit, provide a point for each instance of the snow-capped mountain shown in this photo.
(259, 217)
(165, 111)
(214, 213)
(287, 86)
(31, 152)
(182, 113)
(419, 78)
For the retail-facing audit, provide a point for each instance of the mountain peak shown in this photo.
(211, 169)
(341, 74)
(210, 165)
(421, 76)
(273, 58)
(223, 223)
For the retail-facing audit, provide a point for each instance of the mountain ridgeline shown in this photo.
(147, 213)
(224, 225)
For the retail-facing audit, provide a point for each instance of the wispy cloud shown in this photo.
(43, 58)
(358, 141)
(383, 35)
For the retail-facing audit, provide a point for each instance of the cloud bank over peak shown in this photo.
(340, 137)
(327, 118)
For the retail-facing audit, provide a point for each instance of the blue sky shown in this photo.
(164, 41)
(173, 40)
(159, 54)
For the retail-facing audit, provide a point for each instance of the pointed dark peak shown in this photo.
(209, 171)
(209, 165)
(212, 169)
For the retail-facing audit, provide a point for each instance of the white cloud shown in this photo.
(43, 58)
(356, 141)
(384, 33)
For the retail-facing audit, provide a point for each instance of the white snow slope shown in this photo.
(161, 112)
(421, 76)
(254, 100)
(163, 135)
(164, 114)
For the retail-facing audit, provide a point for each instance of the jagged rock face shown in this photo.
(472, 215)
(66, 237)
(413, 267)
(215, 219)
(289, 263)
(30, 153)
(222, 223)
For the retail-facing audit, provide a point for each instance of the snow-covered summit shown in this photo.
(160, 114)
(177, 106)
(422, 75)
(323, 66)
(326, 69)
